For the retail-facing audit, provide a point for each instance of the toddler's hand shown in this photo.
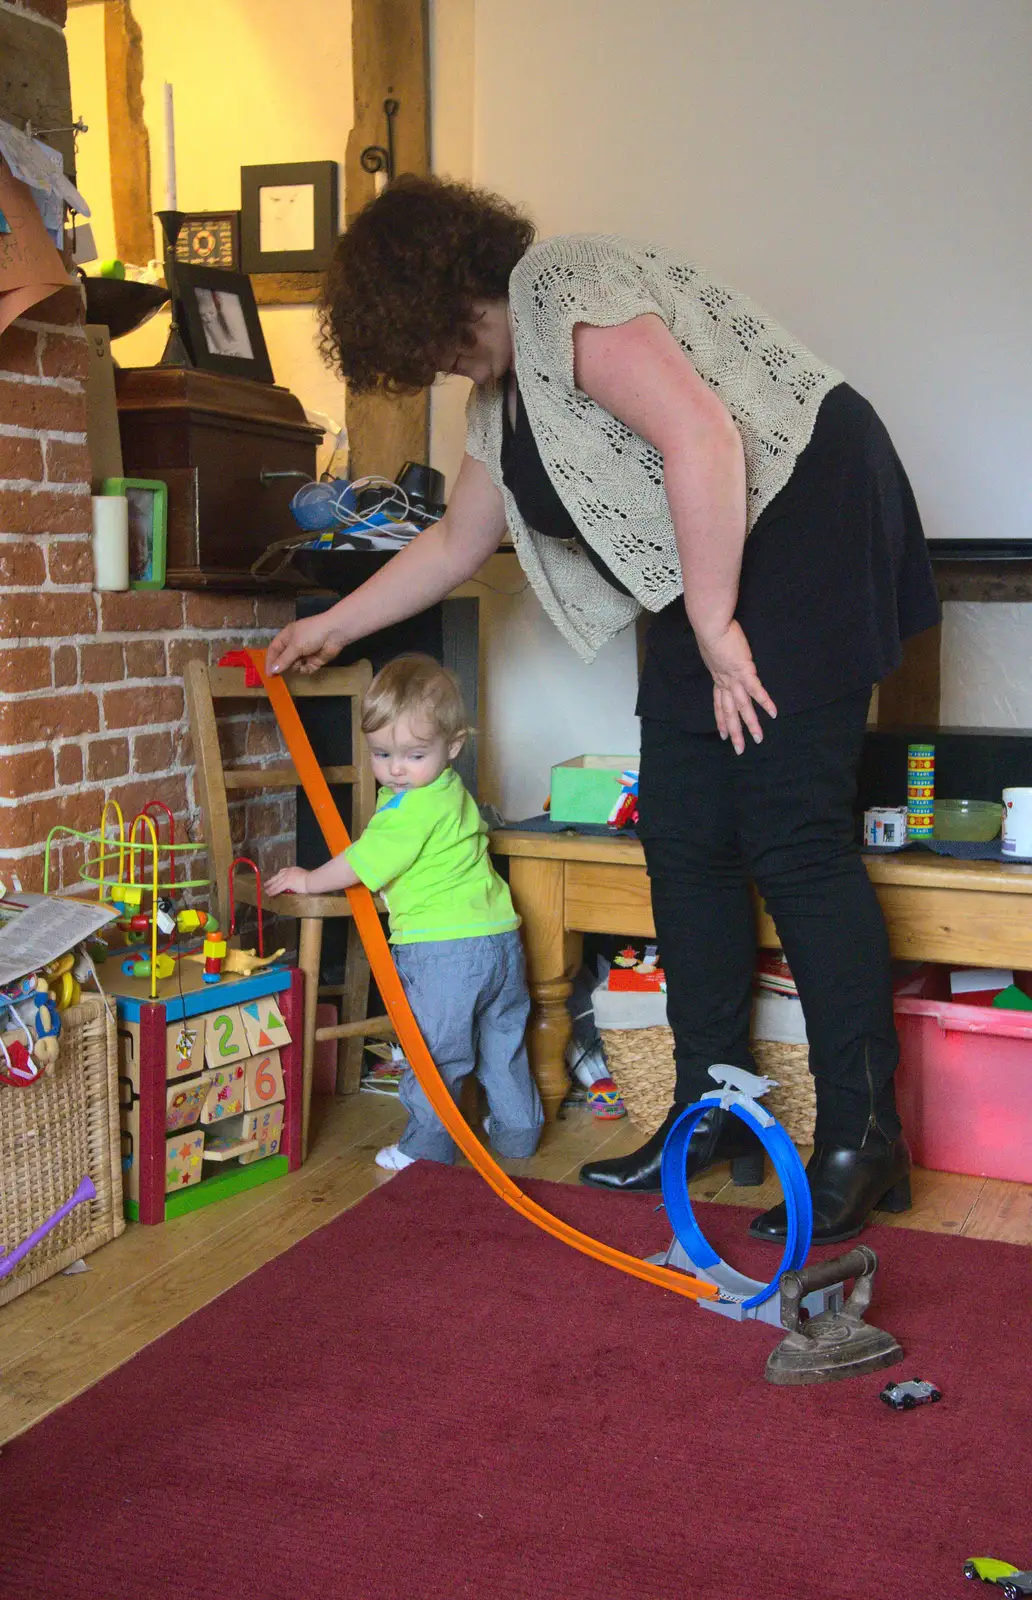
(290, 880)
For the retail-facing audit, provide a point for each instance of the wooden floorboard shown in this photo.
(1001, 1211)
(65, 1335)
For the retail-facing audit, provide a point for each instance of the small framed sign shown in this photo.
(210, 239)
(148, 523)
(288, 216)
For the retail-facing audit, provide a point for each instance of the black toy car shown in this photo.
(910, 1393)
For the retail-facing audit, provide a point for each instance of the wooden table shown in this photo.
(975, 913)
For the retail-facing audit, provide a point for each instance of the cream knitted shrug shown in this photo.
(609, 479)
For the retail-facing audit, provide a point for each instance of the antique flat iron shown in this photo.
(837, 1343)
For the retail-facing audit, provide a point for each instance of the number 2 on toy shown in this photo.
(224, 1037)
(224, 1026)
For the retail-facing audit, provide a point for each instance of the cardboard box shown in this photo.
(102, 435)
(586, 788)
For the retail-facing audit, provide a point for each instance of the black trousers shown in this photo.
(781, 814)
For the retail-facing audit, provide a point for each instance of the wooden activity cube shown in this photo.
(209, 1088)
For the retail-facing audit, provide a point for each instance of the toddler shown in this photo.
(452, 922)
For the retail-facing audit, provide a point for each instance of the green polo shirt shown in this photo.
(425, 851)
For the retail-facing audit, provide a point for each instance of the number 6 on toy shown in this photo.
(263, 1083)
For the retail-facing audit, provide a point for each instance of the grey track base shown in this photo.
(734, 1287)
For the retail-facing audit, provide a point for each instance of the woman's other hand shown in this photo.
(639, 373)
(306, 645)
(737, 690)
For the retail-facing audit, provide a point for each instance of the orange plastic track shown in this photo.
(400, 1012)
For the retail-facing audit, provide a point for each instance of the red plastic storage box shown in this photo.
(964, 1085)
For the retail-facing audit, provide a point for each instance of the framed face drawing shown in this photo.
(288, 216)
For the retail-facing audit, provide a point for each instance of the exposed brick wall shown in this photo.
(91, 692)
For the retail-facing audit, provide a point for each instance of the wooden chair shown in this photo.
(205, 686)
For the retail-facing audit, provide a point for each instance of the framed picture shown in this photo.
(148, 523)
(288, 216)
(210, 239)
(218, 319)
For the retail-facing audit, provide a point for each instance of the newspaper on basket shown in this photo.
(37, 928)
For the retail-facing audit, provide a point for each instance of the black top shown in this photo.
(835, 573)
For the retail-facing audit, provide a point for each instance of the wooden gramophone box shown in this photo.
(214, 440)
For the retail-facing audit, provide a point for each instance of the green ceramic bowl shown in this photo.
(978, 820)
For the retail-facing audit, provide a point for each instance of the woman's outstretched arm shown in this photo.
(436, 562)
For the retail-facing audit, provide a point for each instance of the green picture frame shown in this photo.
(148, 528)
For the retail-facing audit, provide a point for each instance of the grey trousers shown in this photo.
(470, 999)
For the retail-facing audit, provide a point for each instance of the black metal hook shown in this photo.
(376, 157)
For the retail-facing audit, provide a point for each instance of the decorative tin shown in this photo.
(921, 791)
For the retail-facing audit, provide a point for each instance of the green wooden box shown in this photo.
(586, 788)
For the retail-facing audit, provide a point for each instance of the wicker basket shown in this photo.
(641, 1063)
(52, 1135)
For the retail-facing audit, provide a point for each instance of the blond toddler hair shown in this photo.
(417, 687)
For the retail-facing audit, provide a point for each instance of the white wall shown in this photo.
(539, 703)
(861, 170)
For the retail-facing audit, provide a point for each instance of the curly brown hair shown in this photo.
(399, 293)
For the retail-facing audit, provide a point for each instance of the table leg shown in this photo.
(553, 955)
(309, 954)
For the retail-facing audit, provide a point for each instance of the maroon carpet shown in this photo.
(431, 1398)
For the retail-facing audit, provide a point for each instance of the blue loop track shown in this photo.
(787, 1165)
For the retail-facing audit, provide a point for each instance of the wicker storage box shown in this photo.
(52, 1135)
(641, 1063)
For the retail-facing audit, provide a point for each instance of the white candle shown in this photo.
(110, 541)
(170, 152)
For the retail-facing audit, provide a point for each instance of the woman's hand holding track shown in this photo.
(306, 645)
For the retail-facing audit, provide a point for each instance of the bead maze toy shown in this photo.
(217, 955)
(210, 1088)
(126, 889)
(398, 1009)
(210, 1082)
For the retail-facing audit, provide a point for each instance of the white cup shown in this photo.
(110, 541)
(1017, 822)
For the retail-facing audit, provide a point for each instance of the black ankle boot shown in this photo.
(846, 1186)
(718, 1136)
